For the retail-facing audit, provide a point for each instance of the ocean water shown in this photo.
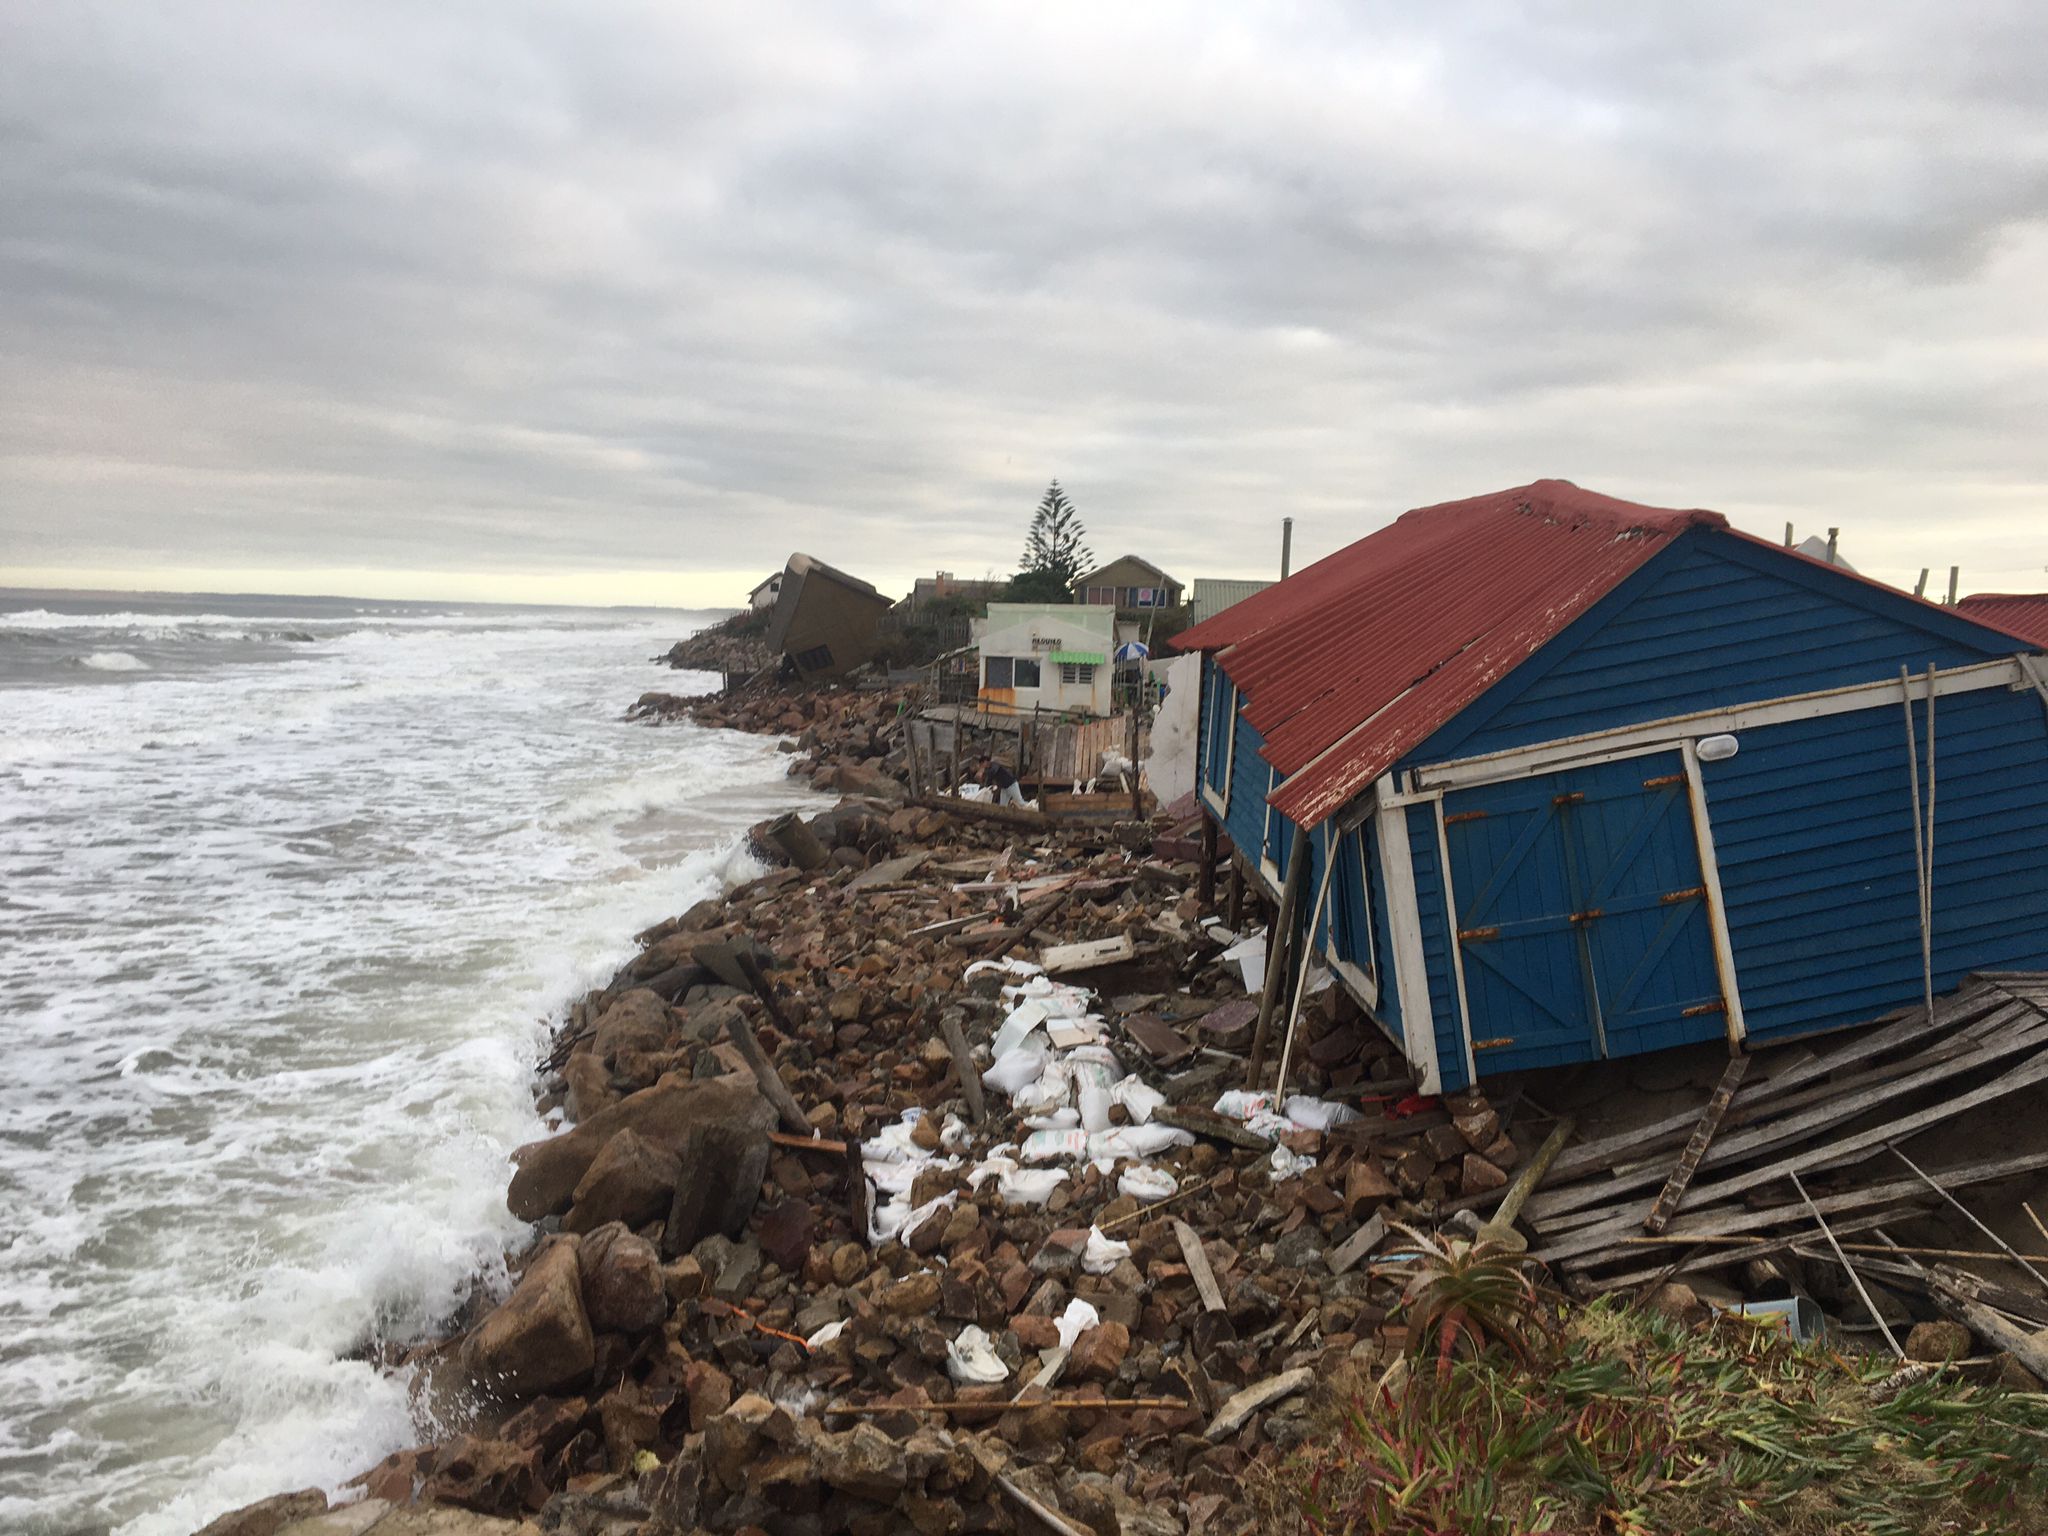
(289, 891)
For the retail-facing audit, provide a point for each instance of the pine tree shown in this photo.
(1053, 546)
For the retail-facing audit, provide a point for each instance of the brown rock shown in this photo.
(1478, 1128)
(546, 1424)
(396, 1477)
(492, 1477)
(548, 1171)
(1477, 1176)
(1939, 1342)
(1099, 1351)
(630, 1180)
(707, 1390)
(266, 1516)
(849, 1263)
(863, 1462)
(638, 1021)
(785, 1233)
(1035, 1332)
(623, 1284)
(915, 1295)
(1444, 1143)
(587, 1085)
(539, 1338)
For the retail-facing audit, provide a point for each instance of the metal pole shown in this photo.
(1832, 534)
(1788, 535)
(1954, 573)
(1920, 586)
(1279, 948)
(1843, 1259)
(1927, 894)
(1286, 546)
(1968, 1215)
(1919, 843)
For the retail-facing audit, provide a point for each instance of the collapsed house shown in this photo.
(825, 621)
(1548, 777)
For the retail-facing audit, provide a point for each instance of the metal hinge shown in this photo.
(1451, 821)
(1571, 797)
(1588, 915)
(1718, 1005)
(1477, 935)
(1663, 779)
(1493, 1045)
(1690, 893)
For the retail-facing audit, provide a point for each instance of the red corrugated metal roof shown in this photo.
(2024, 614)
(1356, 660)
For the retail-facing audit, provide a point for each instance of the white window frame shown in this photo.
(1365, 982)
(1226, 710)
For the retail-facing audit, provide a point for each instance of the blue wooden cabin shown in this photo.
(1582, 779)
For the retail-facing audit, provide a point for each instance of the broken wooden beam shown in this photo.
(1198, 1265)
(1666, 1205)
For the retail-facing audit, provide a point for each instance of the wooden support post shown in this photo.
(1205, 881)
(1501, 1230)
(1954, 574)
(963, 1064)
(1279, 949)
(1131, 756)
(1234, 917)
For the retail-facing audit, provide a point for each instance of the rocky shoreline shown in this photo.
(859, 1221)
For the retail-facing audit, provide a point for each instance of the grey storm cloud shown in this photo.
(535, 286)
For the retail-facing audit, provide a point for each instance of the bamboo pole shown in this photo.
(1308, 955)
(1969, 1215)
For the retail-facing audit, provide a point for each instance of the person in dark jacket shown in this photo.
(997, 776)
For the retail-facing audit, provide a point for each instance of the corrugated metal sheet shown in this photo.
(1213, 595)
(2024, 614)
(1362, 655)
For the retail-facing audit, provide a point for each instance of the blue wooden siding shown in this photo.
(1813, 830)
(1711, 621)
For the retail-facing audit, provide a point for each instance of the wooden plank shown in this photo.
(888, 872)
(2025, 1075)
(963, 1064)
(1238, 1411)
(1666, 1205)
(1198, 1265)
(1345, 1255)
(2027, 1348)
(1724, 1258)
(1730, 1149)
(1870, 1040)
(1734, 1222)
(1059, 959)
(1202, 1122)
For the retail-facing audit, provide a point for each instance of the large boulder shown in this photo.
(622, 1281)
(587, 1085)
(723, 1162)
(631, 1180)
(539, 1338)
(268, 1516)
(638, 1021)
(547, 1172)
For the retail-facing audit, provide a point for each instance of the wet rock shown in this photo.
(913, 1296)
(267, 1516)
(863, 1462)
(631, 1180)
(623, 1284)
(539, 1337)
(492, 1477)
(638, 1021)
(547, 1172)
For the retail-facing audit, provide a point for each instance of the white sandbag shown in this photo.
(1018, 1070)
(1242, 1104)
(1091, 1088)
(954, 1136)
(1009, 965)
(1318, 1114)
(1103, 1253)
(971, 1360)
(1138, 1097)
(1030, 1186)
(1054, 1120)
(1143, 1182)
(1137, 1141)
(1017, 1028)
(1290, 1165)
(1053, 1088)
(1055, 1146)
(1075, 1321)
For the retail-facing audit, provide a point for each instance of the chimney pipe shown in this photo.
(1286, 546)
(1833, 533)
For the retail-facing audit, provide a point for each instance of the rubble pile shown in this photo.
(737, 647)
(860, 1219)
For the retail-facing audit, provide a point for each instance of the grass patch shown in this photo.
(1640, 1425)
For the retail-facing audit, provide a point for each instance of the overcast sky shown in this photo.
(619, 301)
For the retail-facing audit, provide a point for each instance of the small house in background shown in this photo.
(1129, 584)
(1047, 656)
(1212, 596)
(825, 622)
(927, 590)
(763, 597)
(2019, 613)
(1555, 777)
